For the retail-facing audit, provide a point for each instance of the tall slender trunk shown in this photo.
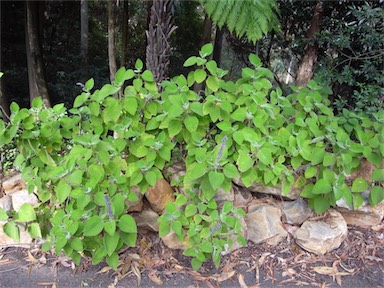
(36, 78)
(124, 32)
(158, 38)
(111, 39)
(305, 71)
(84, 31)
(218, 47)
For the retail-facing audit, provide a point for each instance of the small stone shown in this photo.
(160, 195)
(147, 219)
(296, 212)
(272, 190)
(320, 236)
(222, 195)
(6, 203)
(5, 241)
(264, 224)
(365, 216)
(13, 184)
(23, 197)
(242, 197)
(170, 240)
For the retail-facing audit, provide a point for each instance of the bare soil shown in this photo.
(357, 263)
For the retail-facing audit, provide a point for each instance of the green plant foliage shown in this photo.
(84, 161)
(252, 18)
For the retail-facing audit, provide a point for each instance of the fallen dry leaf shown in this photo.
(103, 270)
(325, 270)
(155, 278)
(223, 276)
(242, 283)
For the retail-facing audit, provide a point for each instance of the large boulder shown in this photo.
(365, 216)
(322, 234)
(160, 195)
(296, 212)
(13, 184)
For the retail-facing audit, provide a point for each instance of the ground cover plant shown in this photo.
(82, 162)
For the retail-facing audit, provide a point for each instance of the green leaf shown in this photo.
(358, 200)
(310, 172)
(3, 215)
(196, 170)
(130, 104)
(376, 195)
(213, 83)
(177, 227)
(77, 244)
(216, 179)
(200, 75)
(206, 50)
(151, 178)
(190, 61)
(191, 123)
(113, 260)
(127, 224)
(322, 187)
(12, 230)
(147, 76)
(96, 172)
(230, 171)
(329, 159)
(110, 227)
(320, 204)
(93, 226)
(174, 128)
(378, 175)
(34, 230)
(255, 60)
(62, 191)
(129, 238)
(264, 156)
(196, 264)
(26, 213)
(164, 229)
(139, 64)
(239, 114)
(110, 243)
(244, 161)
(359, 185)
(190, 210)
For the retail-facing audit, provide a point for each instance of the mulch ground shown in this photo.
(358, 262)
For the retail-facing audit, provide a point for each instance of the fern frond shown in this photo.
(252, 18)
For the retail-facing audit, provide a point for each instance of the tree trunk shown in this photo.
(36, 78)
(158, 38)
(124, 32)
(84, 31)
(218, 47)
(207, 31)
(305, 71)
(111, 39)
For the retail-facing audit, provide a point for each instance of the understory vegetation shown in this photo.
(82, 162)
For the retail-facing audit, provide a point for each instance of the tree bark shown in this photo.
(36, 78)
(218, 46)
(111, 39)
(84, 31)
(158, 38)
(207, 31)
(305, 71)
(124, 32)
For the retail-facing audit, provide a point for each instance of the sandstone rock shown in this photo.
(273, 190)
(242, 197)
(322, 235)
(364, 171)
(6, 203)
(135, 206)
(13, 184)
(170, 240)
(5, 241)
(264, 224)
(160, 195)
(147, 219)
(296, 212)
(222, 195)
(23, 197)
(365, 216)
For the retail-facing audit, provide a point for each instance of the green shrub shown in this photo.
(84, 161)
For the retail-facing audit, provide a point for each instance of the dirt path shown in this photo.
(357, 263)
